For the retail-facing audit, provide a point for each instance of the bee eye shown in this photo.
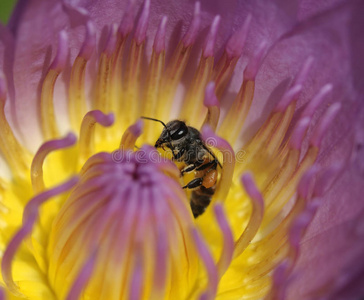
(179, 133)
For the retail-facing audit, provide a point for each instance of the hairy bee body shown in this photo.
(187, 146)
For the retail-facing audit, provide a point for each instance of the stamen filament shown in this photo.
(130, 136)
(86, 142)
(36, 169)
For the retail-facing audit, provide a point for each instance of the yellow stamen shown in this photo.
(130, 136)
(87, 132)
(36, 170)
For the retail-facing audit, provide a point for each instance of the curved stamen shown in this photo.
(48, 119)
(228, 162)
(36, 169)
(131, 135)
(87, 132)
(256, 215)
(30, 217)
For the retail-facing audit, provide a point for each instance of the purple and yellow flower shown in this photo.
(90, 210)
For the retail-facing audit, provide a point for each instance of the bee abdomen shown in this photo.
(200, 199)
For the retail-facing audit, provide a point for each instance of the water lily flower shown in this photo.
(91, 210)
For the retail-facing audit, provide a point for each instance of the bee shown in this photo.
(187, 146)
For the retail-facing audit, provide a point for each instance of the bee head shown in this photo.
(173, 132)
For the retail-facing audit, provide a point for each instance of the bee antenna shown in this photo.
(156, 120)
(165, 126)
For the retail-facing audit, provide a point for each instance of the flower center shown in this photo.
(123, 215)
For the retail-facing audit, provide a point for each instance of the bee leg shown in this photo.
(178, 155)
(211, 164)
(193, 183)
(191, 167)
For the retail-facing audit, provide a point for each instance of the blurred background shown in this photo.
(6, 7)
